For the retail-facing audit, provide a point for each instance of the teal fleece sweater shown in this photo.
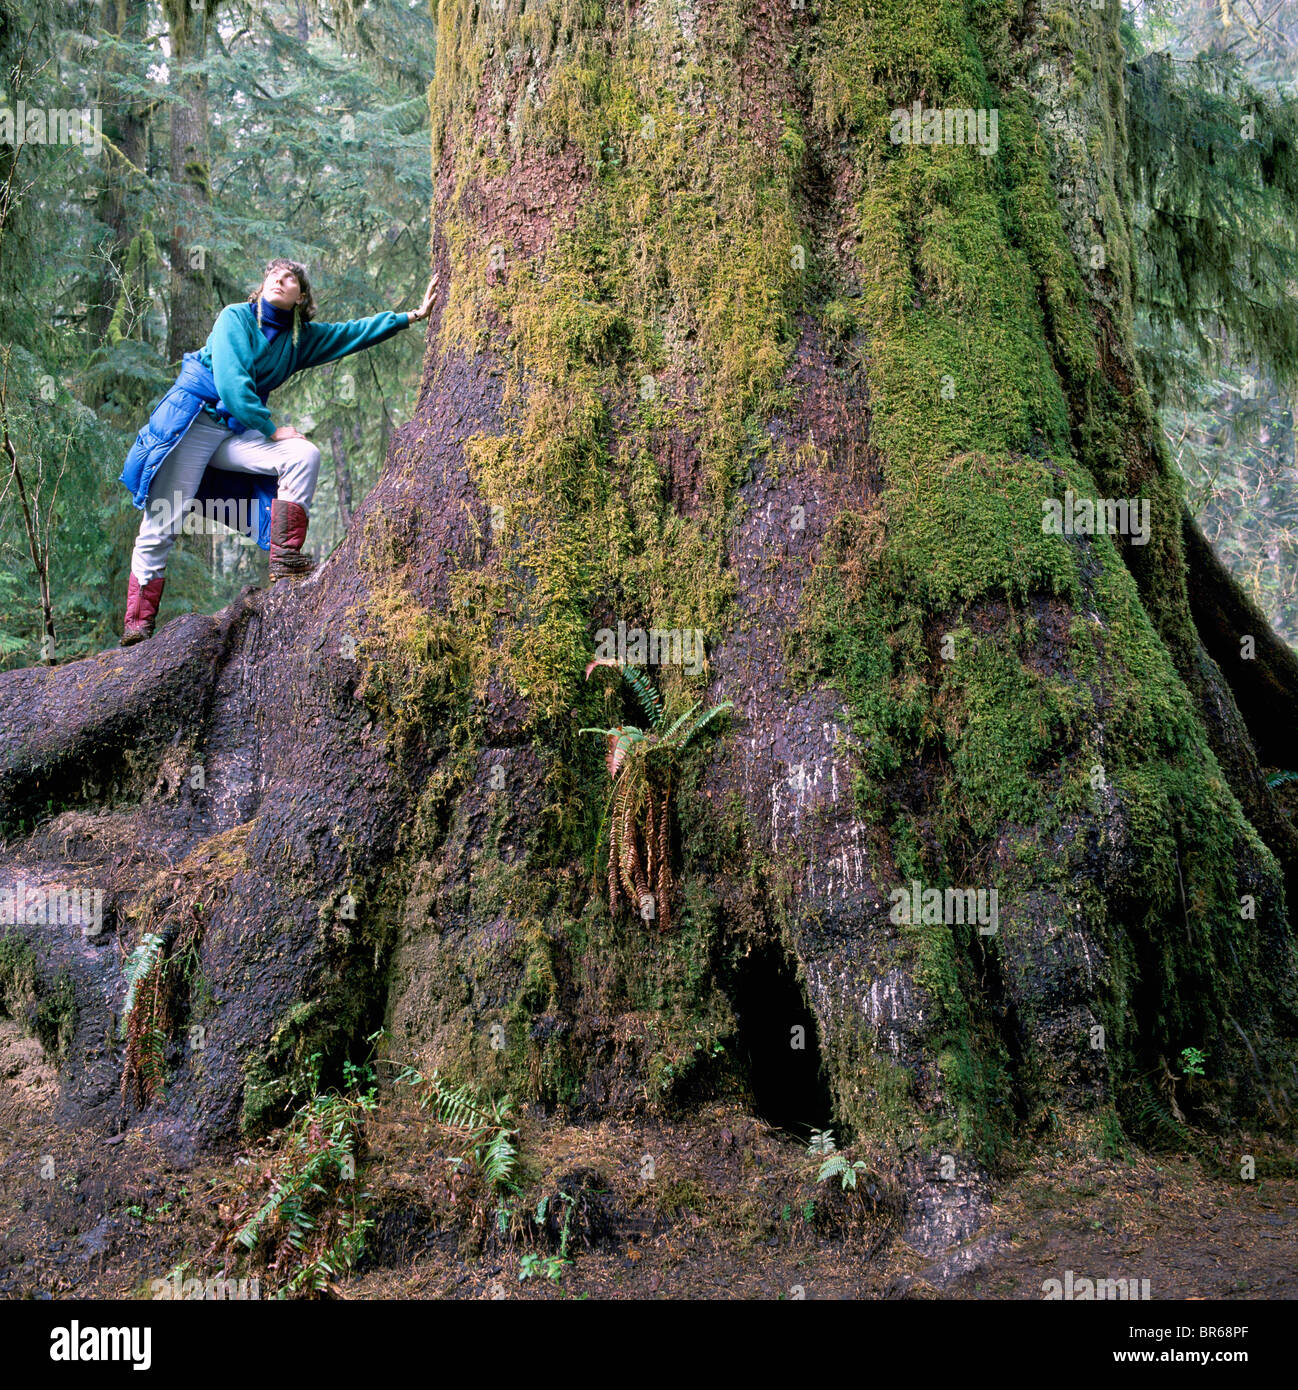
(247, 368)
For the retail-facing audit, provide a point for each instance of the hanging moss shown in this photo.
(1213, 163)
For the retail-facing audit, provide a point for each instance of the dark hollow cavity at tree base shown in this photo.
(778, 1042)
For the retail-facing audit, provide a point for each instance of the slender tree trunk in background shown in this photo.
(342, 475)
(190, 312)
(16, 62)
(16, 66)
(125, 126)
(986, 844)
(385, 424)
(37, 542)
(190, 315)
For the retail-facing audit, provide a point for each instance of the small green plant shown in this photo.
(821, 1142)
(303, 1217)
(1192, 1061)
(357, 1076)
(484, 1123)
(552, 1266)
(642, 766)
(837, 1166)
(571, 1202)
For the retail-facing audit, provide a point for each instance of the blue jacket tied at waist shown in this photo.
(249, 363)
(194, 388)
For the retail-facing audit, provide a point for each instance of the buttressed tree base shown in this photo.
(984, 842)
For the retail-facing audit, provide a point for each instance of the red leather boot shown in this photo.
(287, 534)
(141, 609)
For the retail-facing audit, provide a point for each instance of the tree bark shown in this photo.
(712, 353)
(1262, 670)
(126, 128)
(189, 318)
(342, 476)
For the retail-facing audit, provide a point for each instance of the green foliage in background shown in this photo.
(317, 131)
(1213, 162)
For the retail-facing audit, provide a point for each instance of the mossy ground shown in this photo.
(730, 1210)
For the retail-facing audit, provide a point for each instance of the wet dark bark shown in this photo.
(1260, 668)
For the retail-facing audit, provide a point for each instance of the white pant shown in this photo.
(294, 461)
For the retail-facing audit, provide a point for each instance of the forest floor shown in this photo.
(732, 1210)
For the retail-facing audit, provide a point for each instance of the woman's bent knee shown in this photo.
(299, 453)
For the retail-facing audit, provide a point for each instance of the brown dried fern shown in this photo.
(664, 884)
(155, 1001)
(640, 764)
(147, 1027)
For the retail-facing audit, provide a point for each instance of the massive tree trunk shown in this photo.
(713, 353)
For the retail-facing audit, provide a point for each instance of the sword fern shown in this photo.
(642, 765)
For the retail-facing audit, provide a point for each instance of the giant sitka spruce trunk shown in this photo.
(715, 353)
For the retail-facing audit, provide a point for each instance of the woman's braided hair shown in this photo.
(304, 309)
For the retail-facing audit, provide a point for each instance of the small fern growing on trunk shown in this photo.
(642, 765)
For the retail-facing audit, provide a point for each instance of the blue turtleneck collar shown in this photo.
(273, 318)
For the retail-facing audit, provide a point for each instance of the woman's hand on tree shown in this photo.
(426, 307)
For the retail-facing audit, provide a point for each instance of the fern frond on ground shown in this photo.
(299, 1219)
(482, 1124)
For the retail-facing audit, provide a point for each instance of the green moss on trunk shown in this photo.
(47, 1008)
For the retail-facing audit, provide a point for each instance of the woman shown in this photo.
(212, 439)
